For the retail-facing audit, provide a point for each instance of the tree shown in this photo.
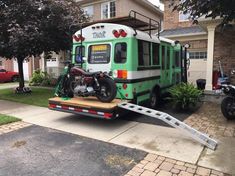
(225, 9)
(31, 27)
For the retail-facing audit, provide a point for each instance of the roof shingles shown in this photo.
(183, 31)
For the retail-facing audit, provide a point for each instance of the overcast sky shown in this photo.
(157, 3)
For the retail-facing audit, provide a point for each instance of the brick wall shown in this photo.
(171, 19)
(8, 65)
(225, 52)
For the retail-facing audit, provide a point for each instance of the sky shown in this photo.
(157, 3)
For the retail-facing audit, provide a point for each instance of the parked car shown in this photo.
(7, 76)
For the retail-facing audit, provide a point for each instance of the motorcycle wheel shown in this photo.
(65, 90)
(227, 108)
(107, 91)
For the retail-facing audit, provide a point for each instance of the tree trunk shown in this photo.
(21, 72)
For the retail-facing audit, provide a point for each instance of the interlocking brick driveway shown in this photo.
(155, 165)
(13, 126)
(209, 119)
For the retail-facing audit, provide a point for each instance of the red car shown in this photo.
(7, 76)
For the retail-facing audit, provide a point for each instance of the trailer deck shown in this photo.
(86, 106)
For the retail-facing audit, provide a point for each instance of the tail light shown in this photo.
(116, 33)
(78, 38)
(122, 33)
(119, 33)
(122, 74)
(124, 86)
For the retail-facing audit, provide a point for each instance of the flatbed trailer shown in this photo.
(88, 106)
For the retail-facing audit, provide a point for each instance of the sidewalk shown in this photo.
(158, 140)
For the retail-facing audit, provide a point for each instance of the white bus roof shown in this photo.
(104, 31)
(167, 40)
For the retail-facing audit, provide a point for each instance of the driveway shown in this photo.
(159, 140)
(40, 151)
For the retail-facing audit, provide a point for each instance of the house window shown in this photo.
(108, 10)
(198, 55)
(144, 53)
(183, 17)
(120, 53)
(89, 11)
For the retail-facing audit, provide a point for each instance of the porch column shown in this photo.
(210, 55)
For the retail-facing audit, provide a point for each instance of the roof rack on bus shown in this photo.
(143, 23)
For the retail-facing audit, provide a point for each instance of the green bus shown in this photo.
(143, 66)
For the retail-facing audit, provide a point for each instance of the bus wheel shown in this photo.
(154, 99)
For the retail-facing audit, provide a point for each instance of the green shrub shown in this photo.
(184, 95)
(41, 78)
(37, 78)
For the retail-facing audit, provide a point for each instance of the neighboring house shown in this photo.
(209, 44)
(29, 66)
(116, 10)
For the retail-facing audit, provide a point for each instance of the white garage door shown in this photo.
(197, 68)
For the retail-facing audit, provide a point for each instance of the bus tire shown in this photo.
(154, 98)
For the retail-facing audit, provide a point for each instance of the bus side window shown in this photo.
(120, 53)
(79, 50)
(144, 53)
(163, 57)
(177, 59)
(155, 54)
(168, 58)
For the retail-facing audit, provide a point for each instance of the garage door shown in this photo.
(197, 68)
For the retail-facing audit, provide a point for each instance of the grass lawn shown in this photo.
(38, 97)
(4, 119)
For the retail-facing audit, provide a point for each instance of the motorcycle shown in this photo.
(228, 103)
(78, 82)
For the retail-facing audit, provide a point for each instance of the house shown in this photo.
(209, 44)
(116, 10)
(29, 66)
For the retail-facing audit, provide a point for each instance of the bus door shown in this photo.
(99, 57)
(166, 66)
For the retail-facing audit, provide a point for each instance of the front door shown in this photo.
(99, 57)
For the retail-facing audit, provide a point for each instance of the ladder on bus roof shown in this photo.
(143, 23)
(200, 137)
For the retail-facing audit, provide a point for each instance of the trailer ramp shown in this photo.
(197, 135)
